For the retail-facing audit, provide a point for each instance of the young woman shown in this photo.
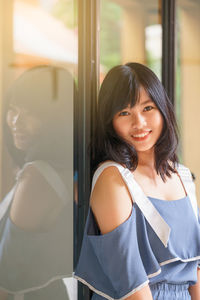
(142, 235)
(36, 225)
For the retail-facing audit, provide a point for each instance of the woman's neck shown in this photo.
(146, 158)
(146, 164)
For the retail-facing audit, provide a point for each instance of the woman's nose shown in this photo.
(139, 121)
(17, 119)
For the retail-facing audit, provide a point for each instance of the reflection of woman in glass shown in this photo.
(142, 236)
(36, 249)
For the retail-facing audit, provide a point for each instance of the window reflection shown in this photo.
(44, 31)
(39, 35)
(37, 214)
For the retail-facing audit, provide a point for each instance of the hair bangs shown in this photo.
(126, 93)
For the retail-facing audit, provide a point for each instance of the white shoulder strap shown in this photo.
(4, 205)
(101, 168)
(51, 177)
(189, 185)
(151, 214)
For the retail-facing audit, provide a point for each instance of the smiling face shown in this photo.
(24, 126)
(140, 125)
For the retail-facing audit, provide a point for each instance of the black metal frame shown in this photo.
(168, 47)
(85, 113)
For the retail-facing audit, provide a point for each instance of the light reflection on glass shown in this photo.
(40, 35)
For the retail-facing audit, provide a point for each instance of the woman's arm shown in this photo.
(194, 290)
(36, 205)
(112, 205)
(143, 294)
(110, 200)
(3, 295)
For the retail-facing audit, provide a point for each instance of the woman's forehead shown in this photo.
(141, 102)
(19, 100)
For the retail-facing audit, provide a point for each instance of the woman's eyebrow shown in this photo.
(146, 101)
(127, 107)
(11, 105)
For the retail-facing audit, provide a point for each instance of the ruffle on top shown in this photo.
(121, 262)
(31, 260)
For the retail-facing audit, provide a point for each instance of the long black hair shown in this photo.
(119, 89)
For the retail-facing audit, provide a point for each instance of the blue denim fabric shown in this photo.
(168, 291)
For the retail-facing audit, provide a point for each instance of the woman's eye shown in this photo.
(12, 109)
(148, 108)
(124, 113)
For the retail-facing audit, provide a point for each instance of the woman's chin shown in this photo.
(21, 144)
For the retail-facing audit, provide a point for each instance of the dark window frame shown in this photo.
(88, 72)
(168, 47)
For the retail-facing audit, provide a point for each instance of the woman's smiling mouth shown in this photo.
(141, 136)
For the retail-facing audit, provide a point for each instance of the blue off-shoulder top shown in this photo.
(151, 246)
(33, 264)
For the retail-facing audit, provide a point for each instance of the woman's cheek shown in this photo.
(34, 125)
(9, 120)
(117, 126)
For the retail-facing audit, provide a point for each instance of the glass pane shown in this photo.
(188, 82)
(130, 30)
(38, 64)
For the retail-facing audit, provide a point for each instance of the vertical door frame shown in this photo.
(168, 47)
(88, 73)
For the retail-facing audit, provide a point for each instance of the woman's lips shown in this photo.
(141, 136)
(20, 136)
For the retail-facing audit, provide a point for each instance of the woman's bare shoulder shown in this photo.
(110, 200)
(35, 201)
